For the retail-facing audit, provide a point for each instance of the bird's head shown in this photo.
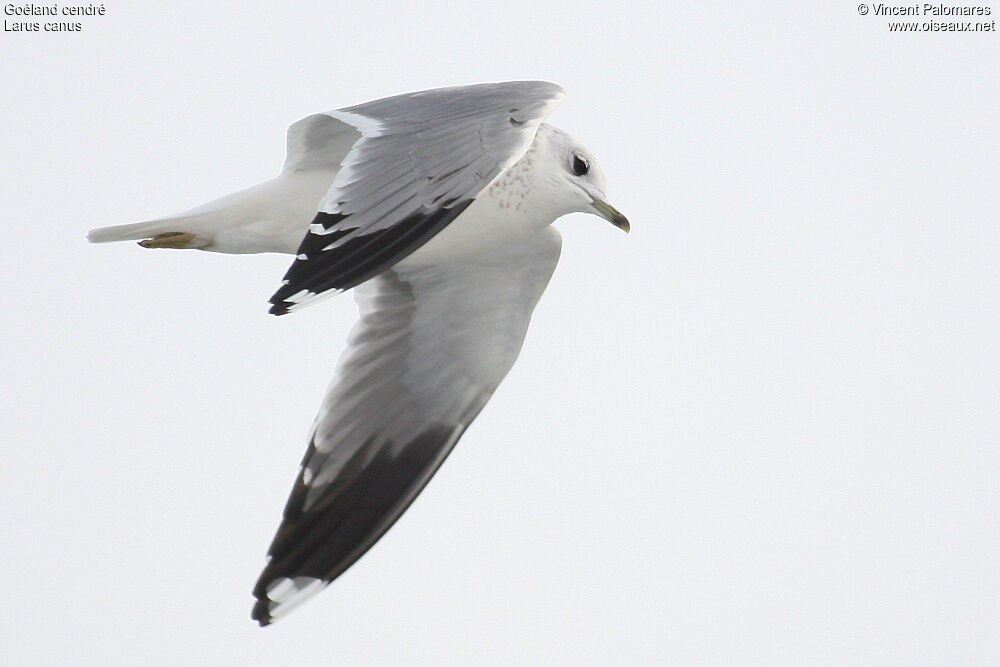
(573, 173)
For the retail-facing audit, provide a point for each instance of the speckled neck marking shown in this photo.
(510, 190)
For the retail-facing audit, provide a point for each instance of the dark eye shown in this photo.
(580, 166)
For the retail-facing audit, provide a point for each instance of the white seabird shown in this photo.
(438, 206)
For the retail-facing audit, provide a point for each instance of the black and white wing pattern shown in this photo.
(419, 160)
(432, 344)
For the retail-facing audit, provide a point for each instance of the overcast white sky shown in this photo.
(760, 429)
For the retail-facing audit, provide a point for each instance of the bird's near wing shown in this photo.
(430, 348)
(421, 159)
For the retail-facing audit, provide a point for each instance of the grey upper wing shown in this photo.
(421, 160)
(430, 348)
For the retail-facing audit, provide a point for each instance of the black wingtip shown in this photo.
(280, 308)
(280, 305)
(261, 613)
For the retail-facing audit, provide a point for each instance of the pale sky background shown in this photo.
(761, 429)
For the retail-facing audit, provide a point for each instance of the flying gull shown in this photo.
(437, 206)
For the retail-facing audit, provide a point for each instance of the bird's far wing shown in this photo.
(421, 160)
(432, 344)
(319, 141)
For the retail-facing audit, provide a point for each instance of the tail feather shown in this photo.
(203, 223)
(136, 231)
(271, 216)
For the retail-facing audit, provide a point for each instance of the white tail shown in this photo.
(136, 231)
(269, 217)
